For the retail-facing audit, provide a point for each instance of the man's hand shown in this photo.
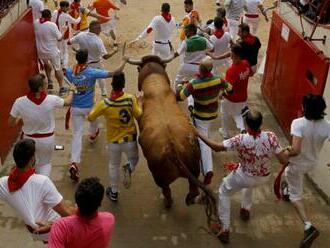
(73, 88)
(44, 227)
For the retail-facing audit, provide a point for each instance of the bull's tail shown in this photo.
(209, 199)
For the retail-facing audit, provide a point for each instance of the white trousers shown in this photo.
(161, 50)
(63, 46)
(78, 120)
(206, 152)
(253, 23)
(100, 81)
(233, 28)
(186, 72)
(43, 154)
(231, 110)
(115, 151)
(232, 183)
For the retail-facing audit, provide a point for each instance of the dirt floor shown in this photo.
(141, 219)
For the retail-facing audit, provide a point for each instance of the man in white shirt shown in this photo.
(34, 197)
(234, 9)
(308, 136)
(163, 27)
(96, 50)
(47, 37)
(64, 21)
(36, 111)
(37, 6)
(251, 15)
(255, 149)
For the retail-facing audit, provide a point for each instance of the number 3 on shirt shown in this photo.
(124, 116)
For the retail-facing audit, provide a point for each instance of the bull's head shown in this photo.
(149, 64)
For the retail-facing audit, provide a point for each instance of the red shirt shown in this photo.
(238, 76)
(78, 232)
(102, 7)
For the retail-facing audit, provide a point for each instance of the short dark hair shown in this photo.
(24, 150)
(46, 13)
(36, 81)
(253, 120)
(191, 28)
(89, 196)
(314, 106)
(118, 81)
(218, 22)
(82, 56)
(93, 23)
(244, 27)
(189, 2)
(222, 12)
(166, 7)
(237, 50)
(64, 4)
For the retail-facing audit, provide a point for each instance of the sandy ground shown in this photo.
(141, 220)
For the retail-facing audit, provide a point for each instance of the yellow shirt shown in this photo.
(191, 18)
(119, 116)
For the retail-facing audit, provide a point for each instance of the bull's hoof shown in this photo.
(168, 203)
(190, 198)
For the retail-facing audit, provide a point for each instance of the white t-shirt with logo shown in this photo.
(254, 153)
(47, 36)
(34, 201)
(36, 118)
(37, 6)
(313, 134)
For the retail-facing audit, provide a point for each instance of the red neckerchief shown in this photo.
(79, 68)
(115, 94)
(249, 39)
(32, 97)
(218, 33)
(18, 178)
(167, 16)
(254, 133)
(206, 75)
(44, 19)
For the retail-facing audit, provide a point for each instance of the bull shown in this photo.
(167, 138)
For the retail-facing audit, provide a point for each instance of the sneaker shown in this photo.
(113, 196)
(50, 85)
(62, 91)
(74, 172)
(222, 235)
(245, 111)
(244, 214)
(309, 236)
(92, 138)
(223, 133)
(127, 175)
(208, 178)
(285, 191)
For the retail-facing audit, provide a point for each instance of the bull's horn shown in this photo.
(169, 59)
(130, 60)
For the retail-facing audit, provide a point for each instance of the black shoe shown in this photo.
(50, 85)
(309, 236)
(113, 196)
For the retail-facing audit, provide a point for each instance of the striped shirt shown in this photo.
(205, 92)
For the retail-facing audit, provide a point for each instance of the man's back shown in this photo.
(77, 231)
(47, 35)
(163, 29)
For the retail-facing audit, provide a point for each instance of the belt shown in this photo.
(193, 63)
(127, 138)
(163, 43)
(252, 15)
(31, 230)
(94, 62)
(39, 135)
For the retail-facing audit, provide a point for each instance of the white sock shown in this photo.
(307, 225)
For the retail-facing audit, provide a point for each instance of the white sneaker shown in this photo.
(223, 133)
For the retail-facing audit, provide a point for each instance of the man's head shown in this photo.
(243, 30)
(77, 1)
(37, 83)
(314, 106)
(95, 27)
(236, 53)
(190, 30)
(23, 153)
(221, 12)
(253, 120)
(64, 5)
(188, 5)
(218, 22)
(166, 8)
(206, 66)
(118, 81)
(46, 13)
(82, 56)
(89, 196)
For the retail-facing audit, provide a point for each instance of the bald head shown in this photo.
(206, 65)
(253, 120)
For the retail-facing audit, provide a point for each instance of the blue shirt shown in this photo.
(85, 83)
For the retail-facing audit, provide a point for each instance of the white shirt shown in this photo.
(252, 6)
(93, 43)
(47, 36)
(234, 9)
(254, 153)
(221, 45)
(313, 134)
(37, 6)
(34, 201)
(36, 118)
(162, 30)
(64, 21)
(193, 57)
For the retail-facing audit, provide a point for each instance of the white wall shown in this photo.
(12, 15)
